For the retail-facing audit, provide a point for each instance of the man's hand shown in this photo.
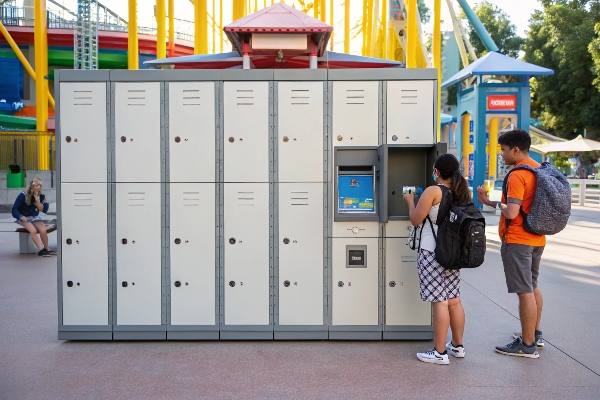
(482, 196)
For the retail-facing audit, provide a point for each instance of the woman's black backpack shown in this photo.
(460, 240)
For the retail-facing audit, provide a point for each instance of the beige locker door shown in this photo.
(355, 113)
(84, 253)
(403, 304)
(410, 112)
(192, 253)
(137, 131)
(300, 134)
(138, 253)
(247, 270)
(192, 131)
(301, 254)
(246, 126)
(355, 291)
(83, 132)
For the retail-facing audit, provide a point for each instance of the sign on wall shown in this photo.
(507, 102)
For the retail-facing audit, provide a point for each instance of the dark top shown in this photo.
(20, 208)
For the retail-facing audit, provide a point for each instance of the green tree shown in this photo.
(424, 11)
(562, 38)
(497, 23)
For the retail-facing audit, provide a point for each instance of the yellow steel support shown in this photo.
(365, 27)
(239, 9)
(132, 37)
(412, 34)
(221, 25)
(437, 59)
(323, 10)
(331, 22)
(23, 60)
(316, 4)
(40, 35)
(161, 31)
(467, 148)
(172, 28)
(384, 30)
(493, 149)
(200, 27)
(347, 26)
(213, 30)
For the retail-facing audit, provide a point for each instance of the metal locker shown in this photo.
(246, 256)
(356, 113)
(84, 254)
(410, 112)
(355, 281)
(403, 304)
(137, 114)
(192, 125)
(192, 253)
(301, 254)
(300, 136)
(138, 253)
(247, 127)
(83, 131)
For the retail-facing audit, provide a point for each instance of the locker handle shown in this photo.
(232, 240)
(232, 283)
(70, 283)
(177, 284)
(68, 139)
(124, 284)
(177, 241)
(231, 139)
(69, 241)
(123, 139)
(177, 139)
(392, 283)
(286, 283)
(124, 241)
(286, 241)
(286, 139)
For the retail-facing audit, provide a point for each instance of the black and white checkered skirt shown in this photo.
(437, 283)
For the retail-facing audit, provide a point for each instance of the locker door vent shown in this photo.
(136, 199)
(300, 97)
(245, 199)
(245, 97)
(82, 200)
(355, 96)
(409, 96)
(136, 97)
(191, 199)
(299, 198)
(83, 98)
(191, 97)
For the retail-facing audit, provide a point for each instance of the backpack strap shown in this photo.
(505, 188)
(445, 204)
(432, 230)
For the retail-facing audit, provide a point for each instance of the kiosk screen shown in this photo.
(356, 194)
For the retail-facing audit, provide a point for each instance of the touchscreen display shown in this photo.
(356, 194)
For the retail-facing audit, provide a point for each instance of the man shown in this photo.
(521, 251)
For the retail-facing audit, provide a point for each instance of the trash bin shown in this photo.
(15, 177)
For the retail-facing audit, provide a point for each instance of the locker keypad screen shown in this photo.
(356, 194)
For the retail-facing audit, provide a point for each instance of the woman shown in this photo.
(26, 209)
(438, 285)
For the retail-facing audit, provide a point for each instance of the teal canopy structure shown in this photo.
(497, 64)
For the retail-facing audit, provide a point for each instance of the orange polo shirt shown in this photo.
(521, 190)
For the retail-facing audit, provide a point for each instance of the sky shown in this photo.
(518, 10)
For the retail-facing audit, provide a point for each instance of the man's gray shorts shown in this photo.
(521, 266)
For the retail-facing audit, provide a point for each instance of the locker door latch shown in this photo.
(124, 284)
(124, 241)
(177, 139)
(177, 241)
(286, 283)
(177, 284)
(232, 240)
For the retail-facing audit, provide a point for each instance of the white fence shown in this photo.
(585, 192)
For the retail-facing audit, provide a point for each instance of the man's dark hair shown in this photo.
(516, 138)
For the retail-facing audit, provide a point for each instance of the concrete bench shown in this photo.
(26, 245)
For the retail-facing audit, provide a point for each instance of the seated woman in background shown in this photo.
(26, 209)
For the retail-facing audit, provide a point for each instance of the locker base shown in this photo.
(181, 332)
(356, 332)
(408, 332)
(246, 332)
(300, 332)
(139, 332)
(85, 332)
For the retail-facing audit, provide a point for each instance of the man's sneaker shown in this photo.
(458, 352)
(432, 356)
(43, 253)
(539, 341)
(517, 348)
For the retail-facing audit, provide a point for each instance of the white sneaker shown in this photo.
(458, 352)
(432, 356)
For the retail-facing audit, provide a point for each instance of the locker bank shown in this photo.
(241, 204)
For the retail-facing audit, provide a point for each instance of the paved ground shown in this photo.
(35, 365)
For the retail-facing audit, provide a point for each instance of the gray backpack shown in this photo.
(551, 205)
